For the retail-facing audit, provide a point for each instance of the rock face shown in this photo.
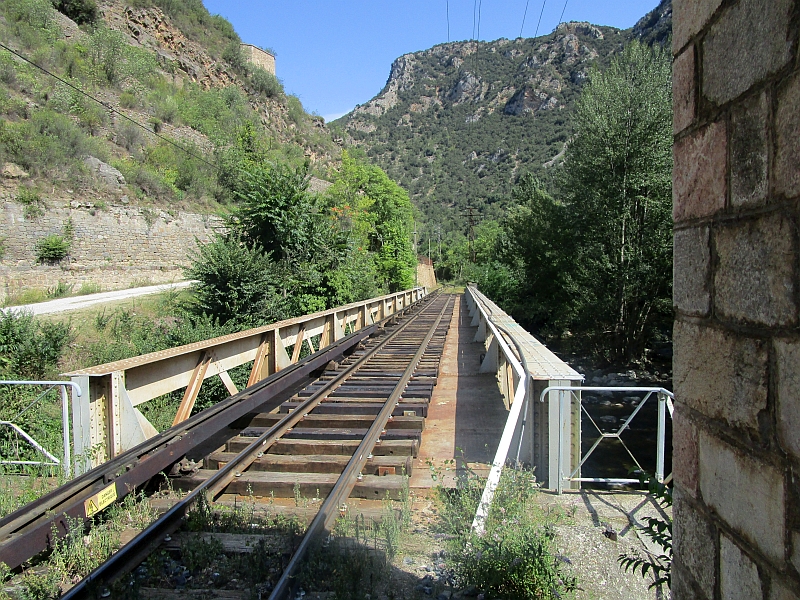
(105, 173)
(12, 171)
(458, 123)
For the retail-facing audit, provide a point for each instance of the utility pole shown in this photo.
(416, 257)
(470, 213)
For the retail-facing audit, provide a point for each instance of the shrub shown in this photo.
(513, 557)
(265, 83)
(36, 13)
(233, 55)
(128, 100)
(29, 198)
(236, 282)
(106, 52)
(81, 11)
(29, 347)
(130, 136)
(52, 248)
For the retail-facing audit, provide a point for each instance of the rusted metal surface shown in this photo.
(107, 417)
(28, 530)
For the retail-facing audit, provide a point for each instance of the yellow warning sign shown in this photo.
(100, 500)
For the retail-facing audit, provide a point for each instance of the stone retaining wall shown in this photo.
(736, 82)
(115, 247)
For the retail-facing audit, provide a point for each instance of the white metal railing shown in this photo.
(665, 398)
(510, 429)
(522, 365)
(53, 461)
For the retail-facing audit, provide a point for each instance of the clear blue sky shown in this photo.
(336, 54)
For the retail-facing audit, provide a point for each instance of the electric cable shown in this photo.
(525, 14)
(561, 18)
(540, 18)
(108, 106)
(447, 3)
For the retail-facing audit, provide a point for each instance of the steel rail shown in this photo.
(29, 530)
(137, 549)
(344, 485)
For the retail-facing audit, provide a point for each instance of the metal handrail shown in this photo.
(67, 461)
(479, 522)
(665, 398)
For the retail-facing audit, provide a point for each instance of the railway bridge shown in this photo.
(349, 405)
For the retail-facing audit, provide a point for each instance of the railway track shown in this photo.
(343, 423)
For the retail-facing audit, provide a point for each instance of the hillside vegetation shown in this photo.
(166, 65)
(459, 124)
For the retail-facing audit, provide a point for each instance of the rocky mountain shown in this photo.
(458, 124)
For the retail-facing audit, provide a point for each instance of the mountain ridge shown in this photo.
(458, 123)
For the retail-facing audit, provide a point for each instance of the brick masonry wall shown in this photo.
(736, 188)
(114, 247)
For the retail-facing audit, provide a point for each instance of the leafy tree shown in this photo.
(379, 213)
(617, 189)
(236, 282)
(80, 11)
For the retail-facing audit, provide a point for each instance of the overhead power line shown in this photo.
(525, 14)
(540, 18)
(448, 20)
(561, 18)
(108, 106)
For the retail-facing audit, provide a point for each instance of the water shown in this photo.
(610, 458)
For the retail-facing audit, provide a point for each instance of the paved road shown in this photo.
(78, 302)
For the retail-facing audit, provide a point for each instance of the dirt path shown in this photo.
(79, 302)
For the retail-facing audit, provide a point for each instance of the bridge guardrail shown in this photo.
(105, 420)
(522, 373)
(66, 463)
(665, 398)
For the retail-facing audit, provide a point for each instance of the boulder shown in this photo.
(12, 171)
(106, 173)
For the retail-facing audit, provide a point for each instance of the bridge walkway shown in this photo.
(466, 415)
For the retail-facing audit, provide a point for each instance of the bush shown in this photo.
(513, 557)
(265, 83)
(236, 282)
(128, 100)
(81, 11)
(130, 136)
(36, 13)
(52, 248)
(29, 347)
(233, 55)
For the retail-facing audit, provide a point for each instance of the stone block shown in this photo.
(694, 540)
(749, 157)
(722, 375)
(780, 591)
(787, 143)
(684, 90)
(738, 575)
(684, 452)
(754, 278)
(691, 271)
(796, 550)
(748, 43)
(699, 178)
(788, 412)
(745, 493)
(690, 16)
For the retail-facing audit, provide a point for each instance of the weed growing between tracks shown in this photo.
(355, 561)
(76, 554)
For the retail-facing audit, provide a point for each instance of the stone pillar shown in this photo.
(736, 189)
